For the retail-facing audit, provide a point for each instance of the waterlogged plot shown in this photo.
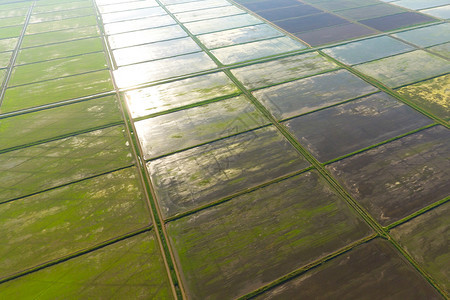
(442, 12)
(405, 68)
(179, 93)
(371, 11)
(210, 13)
(443, 50)
(349, 127)
(52, 91)
(155, 51)
(397, 21)
(219, 24)
(69, 219)
(139, 24)
(33, 169)
(54, 51)
(426, 238)
(189, 179)
(133, 14)
(132, 268)
(187, 128)
(255, 50)
(289, 68)
(56, 68)
(432, 95)
(334, 34)
(282, 13)
(133, 75)
(397, 179)
(427, 36)
(267, 4)
(43, 39)
(371, 271)
(196, 5)
(51, 123)
(420, 4)
(145, 36)
(231, 249)
(344, 4)
(302, 24)
(238, 36)
(367, 50)
(305, 95)
(61, 24)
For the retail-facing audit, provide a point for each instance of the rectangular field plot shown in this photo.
(131, 268)
(139, 24)
(255, 50)
(367, 50)
(281, 13)
(152, 35)
(442, 12)
(178, 130)
(334, 34)
(61, 24)
(137, 74)
(155, 51)
(56, 90)
(33, 169)
(302, 96)
(42, 125)
(427, 36)
(231, 249)
(8, 44)
(190, 179)
(57, 68)
(219, 24)
(238, 36)
(443, 50)
(397, 21)
(179, 93)
(397, 179)
(43, 39)
(370, 271)
(371, 11)
(69, 219)
(209, 13)
(426, 238)
(60, 50)
(352, 126)
(405, 68)
(302, 24)
(289, 68)
(432, 95)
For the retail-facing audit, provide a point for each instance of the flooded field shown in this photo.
(224, 149)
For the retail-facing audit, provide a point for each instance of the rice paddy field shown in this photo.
(220, 149)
